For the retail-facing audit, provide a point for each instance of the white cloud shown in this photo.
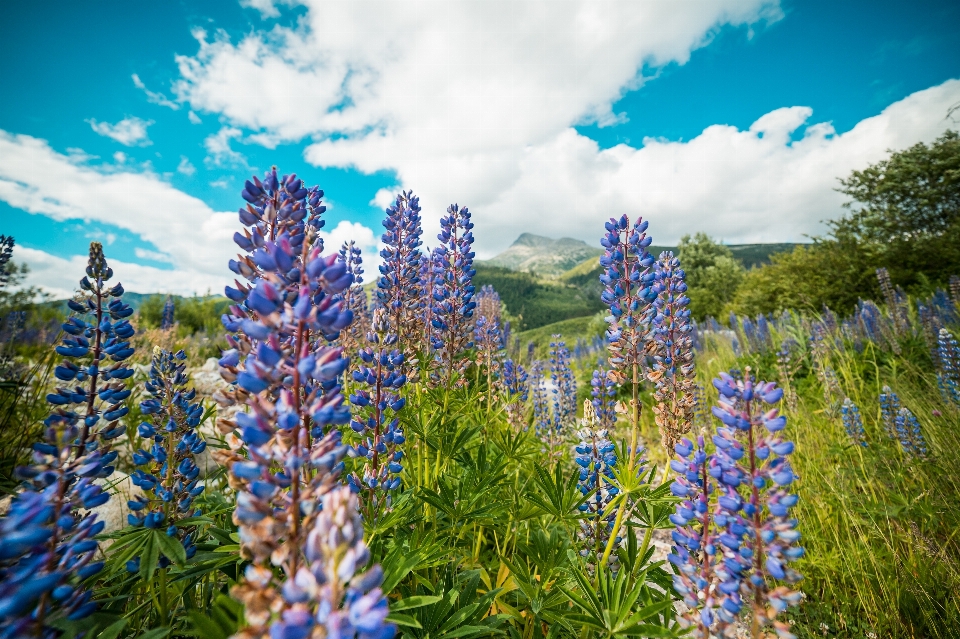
(362, 236)
(155, 256)
(154, 97)
(267, 8)
(194, 118)
(119, 157)
(197, 239)
(128, 132)
(222, 183)
(218, 148)
(474, 102)
(185, 167)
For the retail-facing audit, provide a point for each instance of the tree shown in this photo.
(712, 274)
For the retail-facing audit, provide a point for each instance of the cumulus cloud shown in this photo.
(362, 237)
(128, 132)
(219, 150)
(197, 239)
(185, 167)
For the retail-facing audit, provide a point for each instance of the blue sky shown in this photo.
(734, 117)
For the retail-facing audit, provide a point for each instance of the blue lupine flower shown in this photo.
(285, 373)
(167, 473)
(489, 341)
(948, 379)
(453, 303)
(375, 419)
(516, 387)
(74, 452)
(852, 422)
(542, 420)
(672, 372)
(909, 434)
(889, 408)
(167, 316)
(760, 538)
(604, 393)
(400, 290)
(628, 291)
(596, 460)
(564, 394)
(354, 298)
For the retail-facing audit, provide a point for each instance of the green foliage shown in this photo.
(712, 274)
(905, 216)
(536, 302)
(192, 314)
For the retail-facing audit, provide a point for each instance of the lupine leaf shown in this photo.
(171, 548)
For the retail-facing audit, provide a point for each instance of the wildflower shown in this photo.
(604, 392)
(697, 552)
(889, 408)
(564, 393)
(948, 379)
(541, 411)
(853, 423)
(760, 539)
(896, 301)
(488, 338)
(909, 434)
(375, 419)
(516, 387)
(167, 473)
(596, 458)
(400, 289)
(166, 317)
(488, 303)
(48, 548)
(289, 381)
(353, 298)
(453, 303)
(673, 372)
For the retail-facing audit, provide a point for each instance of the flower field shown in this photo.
(402, 464)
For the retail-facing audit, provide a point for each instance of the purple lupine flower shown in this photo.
(911, 438)
(516, 387)
(564, 394)
(604, 393)
(453, 303)
(288, 377)
(697, 553)
(896, 301)
(542, 420)
(375, 420)
(948, 378)
(354, 298)
(629, 291)
(672, 372)
(488, 303)
(596, 460)
(489, 341)
(166, 472)
(400, 289)
(48, 546)
(853, 422)
(889, 409)
(167, 315)
(754, 484)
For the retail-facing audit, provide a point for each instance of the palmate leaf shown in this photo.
(561, 497)
(171, 547)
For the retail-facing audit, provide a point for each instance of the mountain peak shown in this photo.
(544, 255)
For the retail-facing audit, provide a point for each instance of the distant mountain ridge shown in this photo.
(543, 255)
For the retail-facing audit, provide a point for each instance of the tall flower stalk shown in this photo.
(516, 388)
(673, 371)
(629, 292)
(453, 303)
(596, 458)
(48, 548)
(376, 421)
(564, 396)
(288, 377)
(603, 390)
(354, 298)
(400, 287)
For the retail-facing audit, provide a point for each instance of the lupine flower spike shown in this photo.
(375, 420)
(516, 388)
(759, 539)
(909, 435)
(166, 472)
(604, 393)
(354, 298)
(673, 371)
(453, 303)
(167, 316)
(564, 395)
(48, 546)
(489, 340)
(400, 289)
(596, 458)
(542, 420)
(288, 378)
(949, 376)
(852, 422)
